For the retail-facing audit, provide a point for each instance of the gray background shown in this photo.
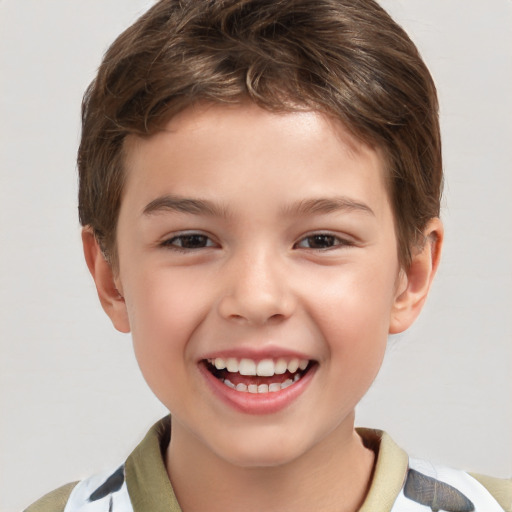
(72, 399)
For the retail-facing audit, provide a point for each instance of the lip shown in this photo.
(257, 403)
(256, 355)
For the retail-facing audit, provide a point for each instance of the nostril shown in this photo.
(239, 318)
(277, 317)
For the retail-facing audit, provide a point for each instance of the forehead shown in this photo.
(212, 148)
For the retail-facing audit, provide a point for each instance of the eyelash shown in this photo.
(331, 241)
(171, 242)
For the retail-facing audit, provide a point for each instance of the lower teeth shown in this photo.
(262, 388)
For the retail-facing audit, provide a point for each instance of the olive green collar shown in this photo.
(150, 489)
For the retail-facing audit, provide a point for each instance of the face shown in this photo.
(258, 266)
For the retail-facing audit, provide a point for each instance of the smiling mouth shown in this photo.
(258, 377)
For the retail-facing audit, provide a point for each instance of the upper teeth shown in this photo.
(262, 368)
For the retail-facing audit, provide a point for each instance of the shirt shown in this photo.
(399, 483)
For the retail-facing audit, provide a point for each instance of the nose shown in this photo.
(257, 289)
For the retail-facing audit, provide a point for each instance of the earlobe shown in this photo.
(110, 297)
(414, 283)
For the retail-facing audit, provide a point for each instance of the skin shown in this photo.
(257, 281)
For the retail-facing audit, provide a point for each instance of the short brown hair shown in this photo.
(347, 59)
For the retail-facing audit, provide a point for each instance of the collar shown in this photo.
(150, 489)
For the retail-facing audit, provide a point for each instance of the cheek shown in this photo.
(354, 313)
(164, 312)
(165, 302)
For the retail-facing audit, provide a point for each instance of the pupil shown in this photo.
(193, 241)
(320, 241)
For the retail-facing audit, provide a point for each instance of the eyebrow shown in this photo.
(185, 205)
(327, 205)
(173, 203)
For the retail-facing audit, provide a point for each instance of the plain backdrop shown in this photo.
(72, 398)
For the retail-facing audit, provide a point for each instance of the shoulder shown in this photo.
(403, 484)
(142, 477)
(449, 489)
(54, 501)
(100, 492)
(500, 488)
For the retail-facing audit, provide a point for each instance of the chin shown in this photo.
(261, 453)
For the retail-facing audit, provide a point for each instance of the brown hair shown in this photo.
(348, 59)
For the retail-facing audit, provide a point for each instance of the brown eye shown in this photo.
(191, 241)
(319, 241)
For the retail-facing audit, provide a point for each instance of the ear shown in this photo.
(111, 299)
(414, 282)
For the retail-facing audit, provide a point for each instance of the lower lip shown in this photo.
(258, 403)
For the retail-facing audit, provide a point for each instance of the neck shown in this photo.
(333, 476)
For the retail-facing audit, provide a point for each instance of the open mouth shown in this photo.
(258, 377)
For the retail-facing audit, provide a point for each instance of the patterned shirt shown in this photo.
(399, 484)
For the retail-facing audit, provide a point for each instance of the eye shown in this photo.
(321, 241)
(189, 241)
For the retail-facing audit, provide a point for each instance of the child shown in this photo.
(259, 190)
